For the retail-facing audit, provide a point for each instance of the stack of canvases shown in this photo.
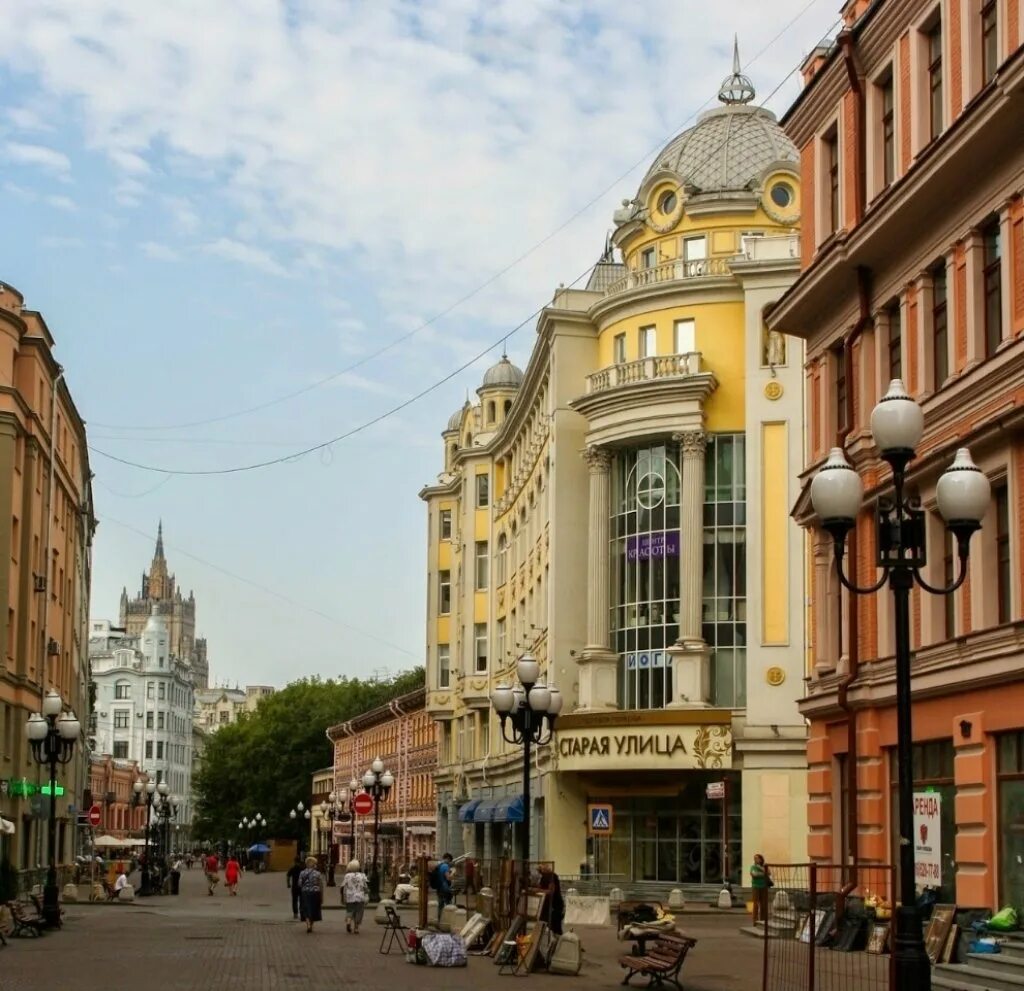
(528, 944)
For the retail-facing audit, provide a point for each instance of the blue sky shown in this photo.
(218, 205)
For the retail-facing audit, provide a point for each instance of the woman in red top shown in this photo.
(231, 872)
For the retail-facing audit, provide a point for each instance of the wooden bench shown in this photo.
(661, 961)
(25, 921)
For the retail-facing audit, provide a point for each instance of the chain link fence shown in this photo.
(828, 927)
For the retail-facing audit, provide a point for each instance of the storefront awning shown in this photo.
(508, 809)
(466, 811)
(6, 826)
(483, 810)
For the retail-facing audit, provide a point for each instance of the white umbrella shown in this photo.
(110, 841)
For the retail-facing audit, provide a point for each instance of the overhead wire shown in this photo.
(489, 281)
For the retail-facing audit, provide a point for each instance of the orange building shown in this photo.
(404, 736)
(110, 787)
(46, 530)
(912, 165)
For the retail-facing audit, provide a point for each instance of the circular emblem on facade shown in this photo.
(775, 676)
(773, 390)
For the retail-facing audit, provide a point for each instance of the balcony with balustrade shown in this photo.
(678, 270)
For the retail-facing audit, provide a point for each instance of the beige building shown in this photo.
(46, 531)
(620, 509)
(217, 707)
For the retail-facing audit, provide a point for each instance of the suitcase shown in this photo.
(567, 956)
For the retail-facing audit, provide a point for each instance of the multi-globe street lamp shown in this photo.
(143, 792)
(338, 808)
(962, 496)
(377, 783)
(165, 808)
(531, 710)
(52, 736)
(297, 815)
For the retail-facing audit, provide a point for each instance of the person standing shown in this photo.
(232, 870)
(292, 880)
(311, 892)
(356, 888)
(554, 905)
(442, 878)
(760, 882)
(212, 867)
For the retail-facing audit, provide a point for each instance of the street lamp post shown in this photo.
(52, 736)
(297, 815)
(166, 808)
(527, 709)
(962, 495)
(142, 791)
(337, 808)
(377, 783)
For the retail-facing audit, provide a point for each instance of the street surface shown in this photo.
(198, 943)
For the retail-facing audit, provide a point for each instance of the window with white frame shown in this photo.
(444, 592)
(445, 524)
(695, 253)
(685, 336)
(120, 749)
(481, 563)
(482, 491)
(480, 654)
(122, 718)
(648, 342)
(501, 641)
(444, 666)
(619, 349)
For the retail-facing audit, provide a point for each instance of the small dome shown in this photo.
(503, 375)
(455, 420)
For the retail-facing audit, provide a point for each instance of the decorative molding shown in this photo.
(693, 443)
(598, 459)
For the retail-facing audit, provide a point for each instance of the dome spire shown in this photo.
(737, 88)
(159, 541)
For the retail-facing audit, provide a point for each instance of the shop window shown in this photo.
(1010, 786)
(989, 40)
(992, 286)
(940, 325)
(935, 82)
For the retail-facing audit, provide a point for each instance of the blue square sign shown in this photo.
(600, 819)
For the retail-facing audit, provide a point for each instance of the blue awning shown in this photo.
(482, 813)
(508, 809)
(467, 810)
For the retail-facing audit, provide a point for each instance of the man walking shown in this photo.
(212, 876)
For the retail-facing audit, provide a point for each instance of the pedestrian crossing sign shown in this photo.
(600, 819)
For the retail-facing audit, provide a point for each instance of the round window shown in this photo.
(667, 202)
(650, 490)
(782, 194)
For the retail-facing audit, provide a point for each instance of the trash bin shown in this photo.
(175, 881)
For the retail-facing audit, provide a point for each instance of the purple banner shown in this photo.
(648, 545)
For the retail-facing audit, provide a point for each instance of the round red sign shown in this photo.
(94, 815)
(363, 804)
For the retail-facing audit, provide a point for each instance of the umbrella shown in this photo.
(259, 848)
(110, 841)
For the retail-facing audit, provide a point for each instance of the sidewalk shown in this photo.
(198, 943)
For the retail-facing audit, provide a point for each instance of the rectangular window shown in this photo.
(444, 666)
(1002, 501)
(501, 642)
(481, 564)
(831, 150)
(940, 324)
(149, 749)
(121, 748)
(839, 361)
(445, 520)
(648, 342)
(647, 258)
(159, 750)
(480, 639)
(444, 592)
(695, 249)
(935, 80)
(149, 690)
(121, 719)
(992, 289)
(149, 720)
(685, 336)
(619, 347)
(483, 491)
(122, 690)
(895, 340)
(989, 40)
(159, 720)
(888, 132)
(161, 691)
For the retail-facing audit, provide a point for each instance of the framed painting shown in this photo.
(938, 931)
(803, 928)
(949, 950)
(530, 957)
(878, 938)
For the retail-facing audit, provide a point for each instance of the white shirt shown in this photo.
(121, 882)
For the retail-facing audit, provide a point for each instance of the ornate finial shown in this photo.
(737, 88)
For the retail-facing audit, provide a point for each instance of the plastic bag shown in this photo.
(1004, 920)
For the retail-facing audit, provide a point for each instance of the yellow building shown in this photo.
(620, 509)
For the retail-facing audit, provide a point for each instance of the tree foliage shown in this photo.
(265, 762)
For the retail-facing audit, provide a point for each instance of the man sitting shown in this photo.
(120, 884)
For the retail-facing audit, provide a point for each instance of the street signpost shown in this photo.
(718, 791)
(363, 804)
(94, 816)
(600, 819)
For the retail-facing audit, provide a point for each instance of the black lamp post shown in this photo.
(297, 815)
(143, 791)
(52, 736)
(527, 708)
(962, 495)
(165, 808)
(337, 808)
(377, 783)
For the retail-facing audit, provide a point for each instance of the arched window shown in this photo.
(502, 559)
(490, 412)
(508, 406)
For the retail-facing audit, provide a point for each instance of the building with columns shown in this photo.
(621, 510)
(912, 268)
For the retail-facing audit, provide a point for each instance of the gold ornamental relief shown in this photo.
(775, 676)
(773, 390)
(478, 684)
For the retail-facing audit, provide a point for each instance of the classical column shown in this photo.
(598, 666)
(690, 655)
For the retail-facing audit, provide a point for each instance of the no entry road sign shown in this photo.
(363, 804)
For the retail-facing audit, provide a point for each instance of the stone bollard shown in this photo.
(725, 898)
(70, 892)
(676, 901)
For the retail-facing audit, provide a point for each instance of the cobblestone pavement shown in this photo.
(250, 942)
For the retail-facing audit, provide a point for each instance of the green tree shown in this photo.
(265, 762)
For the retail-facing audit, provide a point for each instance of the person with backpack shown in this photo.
(440, 880)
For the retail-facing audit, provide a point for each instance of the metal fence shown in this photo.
(828, 928)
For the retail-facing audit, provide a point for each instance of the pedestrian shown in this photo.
(760, 882)
(292, 880)
(231, 873)
(554, 905)
(120, 884)
(176, 875)
(441, 881)
(356, 888)
(212, 867)
(311, 893)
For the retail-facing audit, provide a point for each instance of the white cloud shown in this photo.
(27, 119)
(45, 158)
(182, 213)
(158, 252)
(62, 203)
(245, 254)
(59, 241)
(128, 161)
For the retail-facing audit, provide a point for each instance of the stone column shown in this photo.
(690, 655)
(598, 667)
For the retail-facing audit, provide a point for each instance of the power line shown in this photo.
(268, 591)
(407, 402)
(473, 292)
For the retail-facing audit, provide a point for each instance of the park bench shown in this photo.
(660, 962)
(25, 921)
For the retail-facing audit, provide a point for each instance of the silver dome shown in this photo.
(455, 420)
(503, 375)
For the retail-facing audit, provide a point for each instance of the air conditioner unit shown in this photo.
(53, 648)
(39, 583)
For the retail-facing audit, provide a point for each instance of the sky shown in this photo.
(256, 226)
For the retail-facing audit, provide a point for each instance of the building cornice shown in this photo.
(409, 704)
(662, 295)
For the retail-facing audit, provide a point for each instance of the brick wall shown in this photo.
(955, 73)
(904, 75)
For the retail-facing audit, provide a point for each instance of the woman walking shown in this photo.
(356, 888)
(231, 872)
(311, 892)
